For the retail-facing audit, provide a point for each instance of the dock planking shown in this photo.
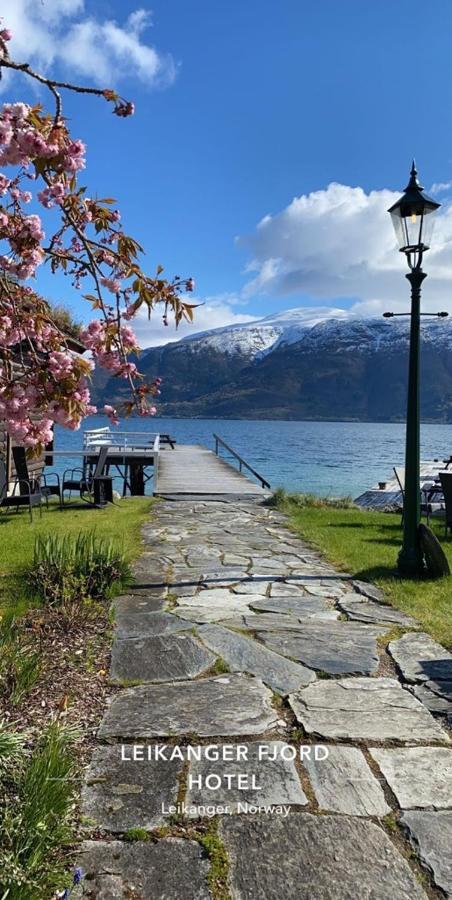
(193, 470)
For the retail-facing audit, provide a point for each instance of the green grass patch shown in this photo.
(366, 544)
(55, 576)
(121, 523)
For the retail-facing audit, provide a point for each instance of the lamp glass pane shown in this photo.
(400, 232)
(413, 225)
(428, 225)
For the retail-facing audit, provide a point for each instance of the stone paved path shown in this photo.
(238, 635)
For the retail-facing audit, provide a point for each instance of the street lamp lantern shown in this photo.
(413, 219)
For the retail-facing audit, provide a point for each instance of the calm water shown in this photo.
(326, 458)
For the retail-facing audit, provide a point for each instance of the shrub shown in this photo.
(68, 570)
(277, 499)
(36, 804)
(281, 497)
(315, 502)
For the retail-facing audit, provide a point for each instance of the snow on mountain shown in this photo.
(255, 339)
(373, 335)
(315, 330)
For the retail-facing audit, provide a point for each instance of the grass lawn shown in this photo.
(366, 544)
(122, 522)
(54, 686)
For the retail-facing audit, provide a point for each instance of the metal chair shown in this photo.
(446, 484)
(426, 496)
(84, 485)
(22, 494)
(37, 482)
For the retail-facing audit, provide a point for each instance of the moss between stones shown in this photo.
(137, 834)
(219, 861)
(220, 666)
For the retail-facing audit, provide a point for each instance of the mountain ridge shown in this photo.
(298, 364)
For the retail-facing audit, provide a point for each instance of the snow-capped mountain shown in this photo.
(253, 339)
(300, 364)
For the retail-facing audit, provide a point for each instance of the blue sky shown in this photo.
(263, 102)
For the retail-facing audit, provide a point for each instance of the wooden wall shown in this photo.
(3, 443)
(35, 466)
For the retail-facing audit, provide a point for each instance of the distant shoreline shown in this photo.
(269, 419)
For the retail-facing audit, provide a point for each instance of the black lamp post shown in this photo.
(413, 220)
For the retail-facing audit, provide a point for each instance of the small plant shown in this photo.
(11, 749)
(68, 570)
(19, 663)
(36, 805)
(277, 499)
(136, 834)
(220, 666)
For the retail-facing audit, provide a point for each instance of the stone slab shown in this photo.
(276, 780)
(139, 602)
(251, 587)
(306, 857)
(225, 705)
(344, 783)
(223, 578)
(119, 794)
(301, 606)
(243, 654)
(282, 589)
(204, 615)
(418, 776)
(359, 608)
(336, 648)
(147, 624)
(211, 599)
(420, 658)
(437, 700)
(172, 657)
(430, 834)
(272, 622)
(167, 870)
(368, 709)
(369, 590)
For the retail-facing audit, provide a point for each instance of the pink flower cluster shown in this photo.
(24, 235)
(21, 142)
(110, 349)
(112, 414)
(53, 194)
(21, 403)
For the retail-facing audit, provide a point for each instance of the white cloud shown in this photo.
(339, 244)
(214, 312)
(440, 187)
(60, 33)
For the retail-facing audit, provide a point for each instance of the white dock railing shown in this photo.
(95, 438)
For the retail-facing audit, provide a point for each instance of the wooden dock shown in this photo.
(191, 470)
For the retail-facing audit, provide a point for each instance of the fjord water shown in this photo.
(325, 458)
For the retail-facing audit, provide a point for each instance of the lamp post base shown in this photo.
(410, 562)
